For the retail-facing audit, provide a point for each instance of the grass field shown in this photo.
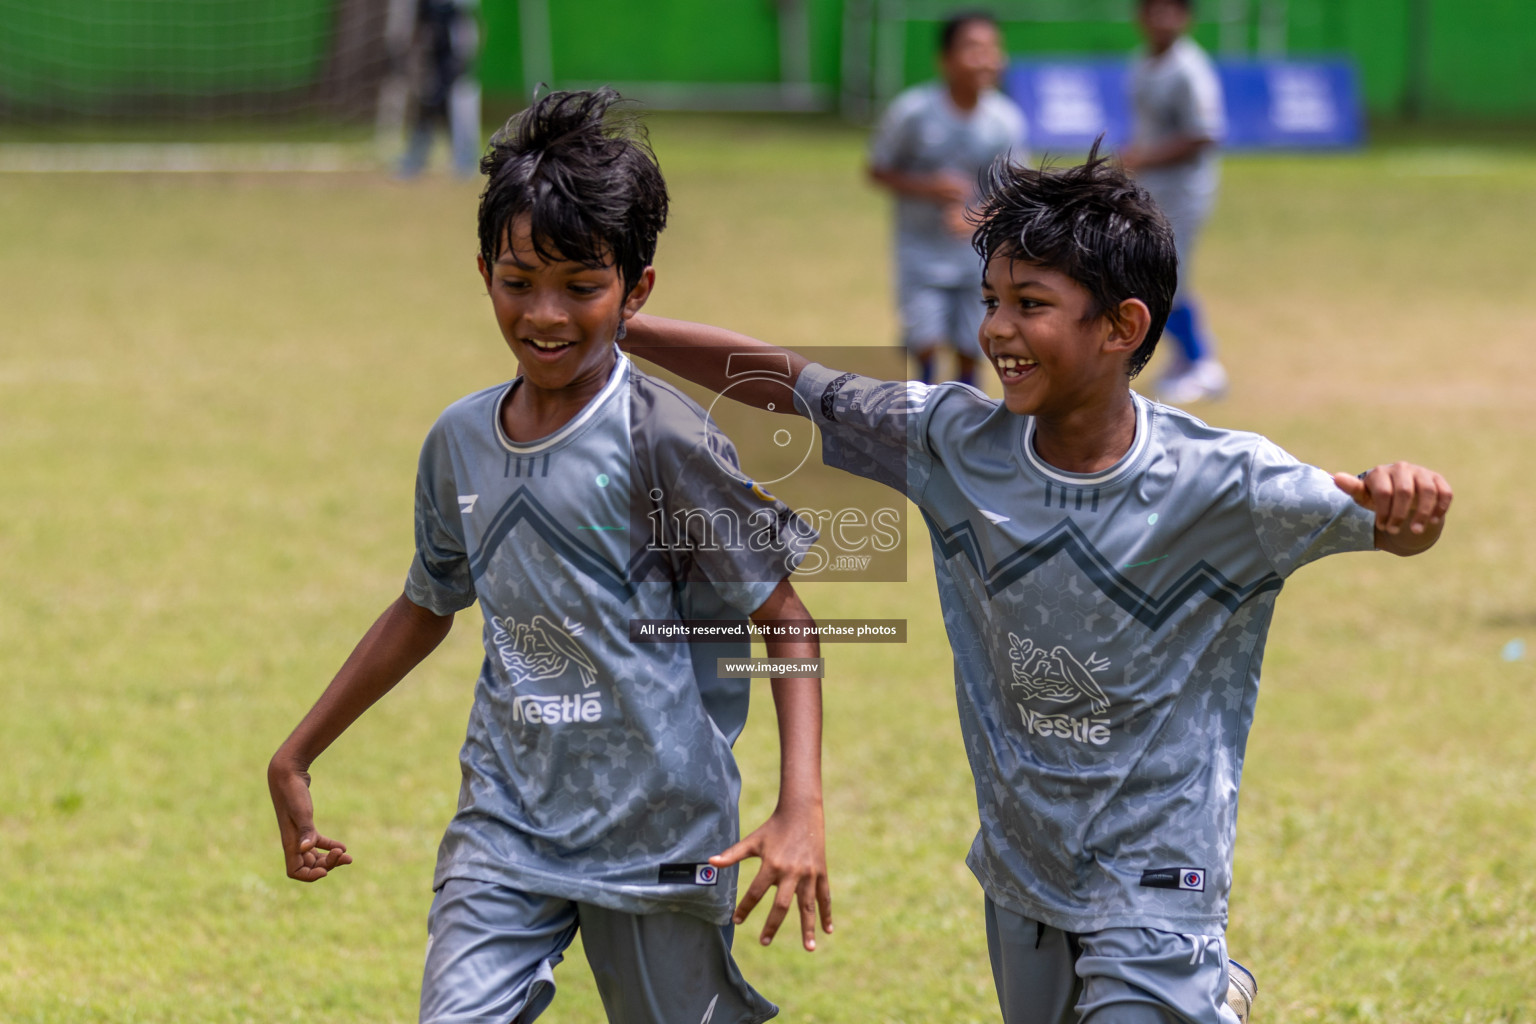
(212, 391)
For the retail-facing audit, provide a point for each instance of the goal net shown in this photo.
(121, 70)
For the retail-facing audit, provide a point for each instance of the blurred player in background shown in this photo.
(1179, 121)
(929, 148)
(434, 44)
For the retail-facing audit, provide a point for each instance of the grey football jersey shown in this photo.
(922, 132)
(1179, 94)
(1107, 631)
(593, 768)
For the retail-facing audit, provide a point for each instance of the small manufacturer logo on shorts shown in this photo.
(688, 874)
(1174, 878)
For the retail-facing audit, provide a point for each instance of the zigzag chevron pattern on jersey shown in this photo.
(1068, 538)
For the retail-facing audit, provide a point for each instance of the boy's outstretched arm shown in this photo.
(792, 842)
(1410, 503)
(704, 355)
(404, 635)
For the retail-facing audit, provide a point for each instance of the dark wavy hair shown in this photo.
(1090, 222)
(955, 22)
(587, 179)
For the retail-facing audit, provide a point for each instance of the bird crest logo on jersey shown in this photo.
(540, 649)
(1058, 677)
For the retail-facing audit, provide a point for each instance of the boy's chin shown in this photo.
(1019, 405)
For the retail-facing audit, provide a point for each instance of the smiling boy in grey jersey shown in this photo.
(1107, 569)
(598, 787)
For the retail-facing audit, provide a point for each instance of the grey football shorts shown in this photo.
(931, 315)
(1116, 976)
(492, 951)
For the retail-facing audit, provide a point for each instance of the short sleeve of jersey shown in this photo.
(1300, 515)
(1201, 112)
(439, 579)
(741, 538)
(890, 144)
(877, 429)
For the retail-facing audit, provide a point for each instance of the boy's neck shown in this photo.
(1090, 438)
(531, 413)
(964, 97)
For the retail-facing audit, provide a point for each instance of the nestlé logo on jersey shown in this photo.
(540, 649)
(1042, 678)
(568, 707)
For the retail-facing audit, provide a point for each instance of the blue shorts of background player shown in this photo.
(1107, 568)
(599, 793)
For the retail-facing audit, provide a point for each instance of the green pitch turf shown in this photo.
(212, 390)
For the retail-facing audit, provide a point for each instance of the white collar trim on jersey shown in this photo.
(1129, 459)
(615, 381)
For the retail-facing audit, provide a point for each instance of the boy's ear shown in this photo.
(640, 292)
(1128, 326)
(485, 270)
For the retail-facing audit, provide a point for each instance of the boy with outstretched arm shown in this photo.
(599, 792)
(1107, 569)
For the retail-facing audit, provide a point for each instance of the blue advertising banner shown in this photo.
(1069, 103)
(1271, 104)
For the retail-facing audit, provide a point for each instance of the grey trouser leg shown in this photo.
(667, 969)
(1116, 976)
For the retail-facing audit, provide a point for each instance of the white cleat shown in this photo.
(1205, 381)
(1242, 989)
